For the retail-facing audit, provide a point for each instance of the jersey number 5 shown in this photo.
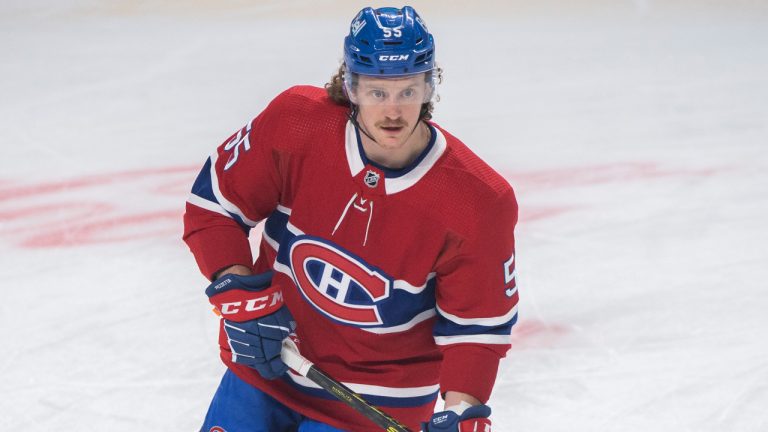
(242, 138)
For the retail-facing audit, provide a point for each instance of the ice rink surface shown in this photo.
(634, 132)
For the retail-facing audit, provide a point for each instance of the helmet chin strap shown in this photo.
(352, 115)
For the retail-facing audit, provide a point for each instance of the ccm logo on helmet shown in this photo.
(400, 57)
(339, 285)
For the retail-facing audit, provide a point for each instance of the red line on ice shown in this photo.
(94, 180)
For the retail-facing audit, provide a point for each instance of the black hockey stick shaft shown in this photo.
(344, 394)
(291, 356)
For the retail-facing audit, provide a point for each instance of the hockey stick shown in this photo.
(292, 357)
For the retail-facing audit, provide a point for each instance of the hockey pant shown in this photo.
(239, 407)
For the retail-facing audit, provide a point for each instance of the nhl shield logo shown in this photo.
(371, 178)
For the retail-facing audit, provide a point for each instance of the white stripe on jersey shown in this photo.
(399, 184)
(225, 203)
(208, 205)
(292, 228)
(282, 209)
(427, 314)
(484, 321)
(367, 389)
(481, 339)
(354, 159)
(405, 286)
(282, 268)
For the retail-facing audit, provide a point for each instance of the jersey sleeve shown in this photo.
(238, 186)
(477, 302)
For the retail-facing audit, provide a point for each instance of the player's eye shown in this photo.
(409, 93)
(378, 94)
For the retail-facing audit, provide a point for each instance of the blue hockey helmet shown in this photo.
(388, 42)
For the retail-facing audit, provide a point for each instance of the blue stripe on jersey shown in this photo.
(445, 327)
(276, 225)
(385, 401)
(203, 188)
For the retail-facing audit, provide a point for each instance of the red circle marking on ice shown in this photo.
(93, 217)
(109, 230)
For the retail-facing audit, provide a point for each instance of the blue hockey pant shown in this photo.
(239, 407)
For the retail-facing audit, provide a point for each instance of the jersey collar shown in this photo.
(396, 180)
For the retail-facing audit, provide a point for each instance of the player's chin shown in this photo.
(391, 143)
(391, 136)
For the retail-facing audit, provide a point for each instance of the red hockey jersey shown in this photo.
(402, 282)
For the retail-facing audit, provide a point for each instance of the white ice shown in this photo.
(634, 132)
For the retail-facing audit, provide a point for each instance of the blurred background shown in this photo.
(634, 133)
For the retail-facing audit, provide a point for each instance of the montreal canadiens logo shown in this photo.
(338, 284)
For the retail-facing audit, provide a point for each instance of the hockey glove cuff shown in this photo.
(254, 319)
(473, 419)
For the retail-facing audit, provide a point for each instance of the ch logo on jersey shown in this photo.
(341, 286)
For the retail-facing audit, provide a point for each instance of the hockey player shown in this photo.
(388, 248)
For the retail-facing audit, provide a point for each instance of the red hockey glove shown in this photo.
(255, 320)
(473, 419)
